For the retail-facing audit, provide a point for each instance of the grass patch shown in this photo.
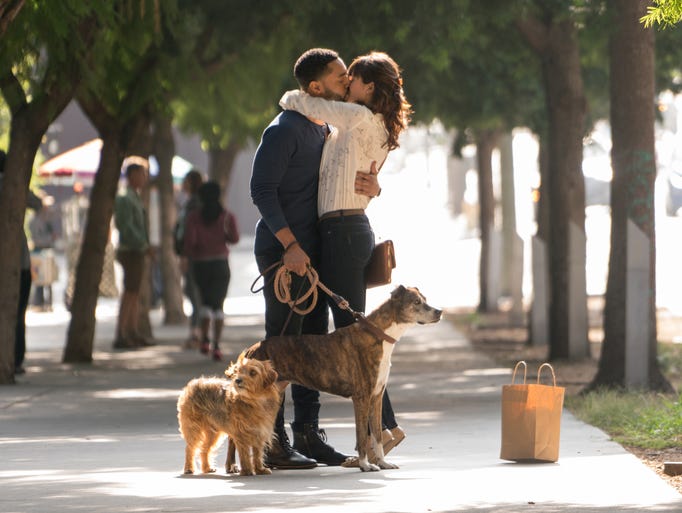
(649, 421)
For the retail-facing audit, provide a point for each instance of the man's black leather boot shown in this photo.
(281, 455)
(311, 441)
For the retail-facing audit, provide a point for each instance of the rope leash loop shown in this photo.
(262, 275)
(282, 288)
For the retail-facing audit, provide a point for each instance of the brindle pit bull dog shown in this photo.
(351, 362)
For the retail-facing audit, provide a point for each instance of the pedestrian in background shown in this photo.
(208, 231)
(43, 236)
(133, 247)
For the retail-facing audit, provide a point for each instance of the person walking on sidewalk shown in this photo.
(284, 186)
(364, 129)
(208, 231)
(43, 235)
(190, 186)
(133, 248)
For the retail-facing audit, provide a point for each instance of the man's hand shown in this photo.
(366, 183)
(296, 260)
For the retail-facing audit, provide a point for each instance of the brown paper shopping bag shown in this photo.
(531, 419)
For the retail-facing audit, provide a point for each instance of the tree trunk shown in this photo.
(512, 244)
(220, 162)
(24, 143)
(29, 122)
(485, 144)
(556, 43)
(632, 205)
(538, 330)
(81, 331)
(164, 150)
(542, 213)
(117, 136)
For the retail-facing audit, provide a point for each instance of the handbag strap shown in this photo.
(550, 368)
(525, 370)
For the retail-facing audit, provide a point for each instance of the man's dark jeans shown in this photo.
(306, 401)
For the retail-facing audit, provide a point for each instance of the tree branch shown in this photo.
(535, 33)
(12, 91)
(8, 11)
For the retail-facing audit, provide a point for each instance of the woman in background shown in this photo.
(208, 231)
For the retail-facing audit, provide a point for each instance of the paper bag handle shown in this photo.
(525, 370)
(550, 368)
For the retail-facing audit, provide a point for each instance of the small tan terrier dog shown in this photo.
(242, 407)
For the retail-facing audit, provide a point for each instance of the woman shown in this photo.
(364, 130)
(208, 230)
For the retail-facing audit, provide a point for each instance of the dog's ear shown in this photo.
(270, 374)
(231, 370)
(400, 289)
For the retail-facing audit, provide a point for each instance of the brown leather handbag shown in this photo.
(380, 265)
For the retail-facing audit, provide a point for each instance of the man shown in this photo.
(131, 222)
(284, 188)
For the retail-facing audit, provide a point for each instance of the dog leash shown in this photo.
(282, 288)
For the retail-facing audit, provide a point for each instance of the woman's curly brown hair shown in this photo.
(388, 98)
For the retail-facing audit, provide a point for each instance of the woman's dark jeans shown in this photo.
(347, 244)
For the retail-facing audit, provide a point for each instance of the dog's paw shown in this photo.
(209, 470)
(245, 472)
(386, 465)
(189, 471)
(233, 469)
(369, 467)
(263, 471)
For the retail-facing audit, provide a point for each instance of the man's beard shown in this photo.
(331, 95)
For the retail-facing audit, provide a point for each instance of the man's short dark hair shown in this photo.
(133, 163)
(312, 65)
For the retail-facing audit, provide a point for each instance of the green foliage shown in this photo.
(126, 59)
(462, 60)
(637, 419)
(46, 35)
(669, 60)
(665, 13)
(5, 120)
(670, 361)
(240, 60)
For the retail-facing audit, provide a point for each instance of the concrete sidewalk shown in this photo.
(104, 438)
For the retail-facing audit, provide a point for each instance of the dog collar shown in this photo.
(373, 329)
